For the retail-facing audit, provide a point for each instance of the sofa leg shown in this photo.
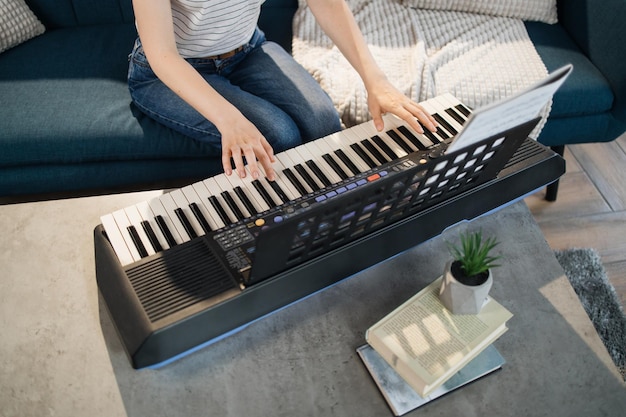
(552, 189)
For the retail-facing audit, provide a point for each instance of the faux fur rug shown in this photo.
(584, 270)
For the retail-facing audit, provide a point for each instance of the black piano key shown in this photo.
(464, 110)
(279, 191)
(414, 139)
(200, 217)
(430, 135)
(294, 180)
(398, 139)
(335, 166)
(232, 205)
(306, 177)
(375, 152)
(318, 172)
(266, 196)
(156, 245)
(456, 116)
(245, 200)
(385, 148)
(363, 155)
(220, 210)
(347, 161)
(185, 222)
(443, 122)
(442, 133)
(137, 241)
(169, 238)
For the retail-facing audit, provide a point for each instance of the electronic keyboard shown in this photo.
(185, 268)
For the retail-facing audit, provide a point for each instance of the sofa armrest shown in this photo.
(597, 29)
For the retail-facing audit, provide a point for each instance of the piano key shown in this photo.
(332, 159)
(426, 141)
(341, 144)
(235, 204)
(294, 177)
(374, 151)
(385, 148)
(246, 185)
(218, 202)
(197, 212)
(344, 161)
(185, 215)
(199, 189)
(444, 118)
(170, 207)
(264, 193)
(134, 235)
(148, 217)
(135, 220)
(117, 240)
(311, 160)
(284, 182)
(123, 224)
(166, 230)
(442, 133)
(300, 155)
(154, 241)
(317, 153)
(455, 109)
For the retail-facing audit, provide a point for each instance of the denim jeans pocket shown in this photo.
(139, 70)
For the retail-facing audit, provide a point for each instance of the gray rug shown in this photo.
(584, 270)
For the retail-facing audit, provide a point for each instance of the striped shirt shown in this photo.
(213, 27)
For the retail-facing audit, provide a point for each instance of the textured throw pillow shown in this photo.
(17, 24)
(536, 10)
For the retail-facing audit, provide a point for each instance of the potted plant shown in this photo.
(467, 278)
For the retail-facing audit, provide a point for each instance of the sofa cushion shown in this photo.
(586, 92)
(17, 24)
(64, 13)
(64, 99)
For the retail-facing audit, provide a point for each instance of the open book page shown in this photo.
(426, 343)
(510, 112)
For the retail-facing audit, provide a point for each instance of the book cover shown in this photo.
(426, 344)
(399, 395)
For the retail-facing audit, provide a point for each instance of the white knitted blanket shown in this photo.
(477, 58)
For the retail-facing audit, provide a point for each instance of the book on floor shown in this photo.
(426, 344)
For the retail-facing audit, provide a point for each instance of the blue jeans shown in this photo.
(263, 81)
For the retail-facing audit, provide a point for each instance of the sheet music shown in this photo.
(510, 112)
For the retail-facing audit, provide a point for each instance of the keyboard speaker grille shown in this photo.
(179, 278)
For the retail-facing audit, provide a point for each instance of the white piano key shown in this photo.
(327, 149)
(117, 240)
(122, 223)
(353, 137)
(441, 108)
(158, 209)
(147, 215)
(135, 219)
(226, 186)
(339, 141)
(192, 197)
(262, 181)
(247, 189)
(306, 156)
(183, 203)
(317, 153)
(285, 159)
(284, 182)
(204, 194)
(215, 190)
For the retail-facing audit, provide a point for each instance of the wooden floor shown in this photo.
(590, 211)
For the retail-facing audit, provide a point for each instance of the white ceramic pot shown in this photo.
(460, 298)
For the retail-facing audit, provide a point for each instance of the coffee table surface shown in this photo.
(59, 354)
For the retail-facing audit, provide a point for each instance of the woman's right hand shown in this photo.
(241, 139)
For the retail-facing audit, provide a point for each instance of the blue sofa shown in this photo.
(67, 125)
